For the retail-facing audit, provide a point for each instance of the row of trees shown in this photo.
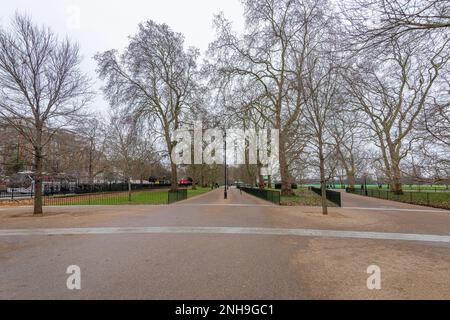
(355, 88)
(362, 88)
(44, 93)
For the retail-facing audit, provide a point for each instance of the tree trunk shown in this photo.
(194, 176)
(351, 181)
(260, 177)
(38, 178)
(286, 188)
(202, 177)
(396, 185)
(173, 178)
(129, 189)
(91, 169)
(322, 180)
(323, 190)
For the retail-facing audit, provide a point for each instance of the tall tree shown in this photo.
(93, 153)
(155, 78)
(349, 139)
(42, 87)
(125, 145)
(321, 88)
(264, 55)
(314, 83)
(393, 93)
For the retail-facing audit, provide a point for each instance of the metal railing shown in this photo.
(430, 199)
(176, 195)
(137, 196)
(269, 195)
(15, 195)
(104, 187)
(157, 197)
(332, 196)
(82, 189)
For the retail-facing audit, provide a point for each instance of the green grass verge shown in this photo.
(141, 197)
(303, 197)
(432, 199)
(118, 198)
(198, 191)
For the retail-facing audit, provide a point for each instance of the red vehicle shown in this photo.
(185, 182)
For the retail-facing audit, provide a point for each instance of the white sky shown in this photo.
(99, 25)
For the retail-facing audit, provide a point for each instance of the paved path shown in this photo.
(211, 248)
(354, 200)
(154, 266)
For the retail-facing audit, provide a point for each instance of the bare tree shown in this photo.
(42, 87)
(433, 150)
(154, 78)
(315, 88)
(436, 118)
(393, 92)
(264, 55)
(349, 139)
(125, 144)
(93, 153)
(375, 22)
(321, 88)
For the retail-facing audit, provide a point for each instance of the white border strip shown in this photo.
(229, 230)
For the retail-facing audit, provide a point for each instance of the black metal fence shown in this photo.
(15, 195)
(104, 187)
(82, 189)
(430, 199)
(332, 196)
(269, 195)
(136, 197)
(176, 195)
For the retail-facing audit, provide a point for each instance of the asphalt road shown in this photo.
(225, 249)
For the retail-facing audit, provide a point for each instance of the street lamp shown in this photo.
(225, 194)
(365, 184)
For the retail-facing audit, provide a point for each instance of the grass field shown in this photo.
(432, 199)
(303, 197)
(198, 191)
(157, 197)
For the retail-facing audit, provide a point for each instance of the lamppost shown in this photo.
(225, 192)
(365, 184)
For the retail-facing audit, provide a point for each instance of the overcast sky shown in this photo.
(99, 25)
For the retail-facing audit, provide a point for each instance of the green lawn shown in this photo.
(140, 197)
(198, 191)
(432, 199)
(118, 198)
